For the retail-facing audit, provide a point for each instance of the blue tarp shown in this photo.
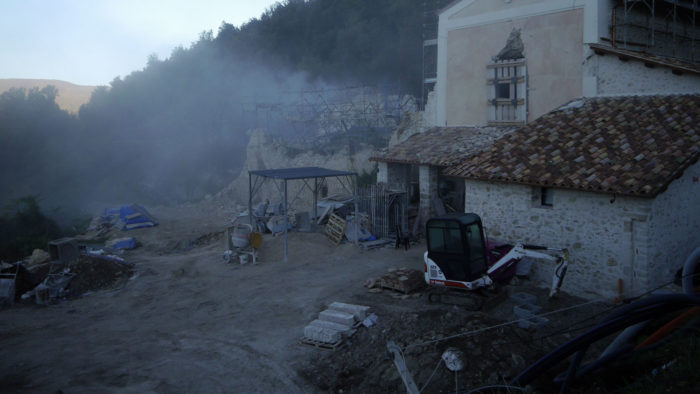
(130, 217)
(122, 243)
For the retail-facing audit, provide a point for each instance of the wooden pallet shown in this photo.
(403, 280)
(321, 345)
(335, 228)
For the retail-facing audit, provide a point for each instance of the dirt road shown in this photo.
(187, 321)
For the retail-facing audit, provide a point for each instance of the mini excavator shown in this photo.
(460, 257)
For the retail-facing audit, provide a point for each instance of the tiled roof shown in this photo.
(678, 66)
(441, 146)
(633, 145)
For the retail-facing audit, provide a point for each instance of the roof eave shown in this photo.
(626, 53)
(616, 192)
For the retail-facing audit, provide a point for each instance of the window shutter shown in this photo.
(522, 93)
(507, 92)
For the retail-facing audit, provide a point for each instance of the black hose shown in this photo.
(599, 363)
(573, 368)
(634, 313)
(499, 388)
(649, 302)
(628, 351)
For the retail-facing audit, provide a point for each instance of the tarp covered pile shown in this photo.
(129, 217)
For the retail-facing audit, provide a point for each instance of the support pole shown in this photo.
(286, 220)
(357, 217)
(315, 198)
(250, 199)
(400, 364)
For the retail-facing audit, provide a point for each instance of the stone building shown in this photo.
(416, 164)
(613, 179)
(598, 117)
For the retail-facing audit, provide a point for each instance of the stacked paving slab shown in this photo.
(335, 323)
(526, 309)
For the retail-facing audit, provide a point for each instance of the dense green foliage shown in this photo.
(36, 140)
(178, 129)
(24, 227)
(351, 40)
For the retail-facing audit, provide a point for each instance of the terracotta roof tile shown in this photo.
(441, 146)
(634, 145)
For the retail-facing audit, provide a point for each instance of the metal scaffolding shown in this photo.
(386, 210)
(306, 115)
(665, 28)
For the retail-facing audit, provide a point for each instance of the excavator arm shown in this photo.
(520, 251)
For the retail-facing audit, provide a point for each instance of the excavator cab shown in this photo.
(457, 246)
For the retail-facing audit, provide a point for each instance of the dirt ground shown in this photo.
(186, 321)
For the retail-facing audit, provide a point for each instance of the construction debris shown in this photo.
(64, 250)
(38, 256)
(370, 320)
(376, 244)
(331, 204)
(127, 243)
(7, 284)
(454, 359)
(355, 233)
(403, 280)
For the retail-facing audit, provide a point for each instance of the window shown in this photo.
(507, 92)
(546, 199)
(445, 238)
(476, 245)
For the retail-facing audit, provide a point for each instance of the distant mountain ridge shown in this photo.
(70, 96)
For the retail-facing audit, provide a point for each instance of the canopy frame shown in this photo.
(257, 178)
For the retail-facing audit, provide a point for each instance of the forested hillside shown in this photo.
(177, 129)
(350, 40)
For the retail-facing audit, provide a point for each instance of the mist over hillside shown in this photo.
(177, 130)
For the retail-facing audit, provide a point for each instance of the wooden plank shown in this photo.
(322, 345)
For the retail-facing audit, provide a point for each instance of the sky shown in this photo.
(91, 42)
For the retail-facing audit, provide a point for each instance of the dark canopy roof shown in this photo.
(300, 173)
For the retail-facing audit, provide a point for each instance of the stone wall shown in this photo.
(382, 172)
(428, 180)
(615, 77)
(398, 175)
(600, 230)
(675, 224)
(412, 123)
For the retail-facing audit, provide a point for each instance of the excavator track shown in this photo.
(470, 300)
